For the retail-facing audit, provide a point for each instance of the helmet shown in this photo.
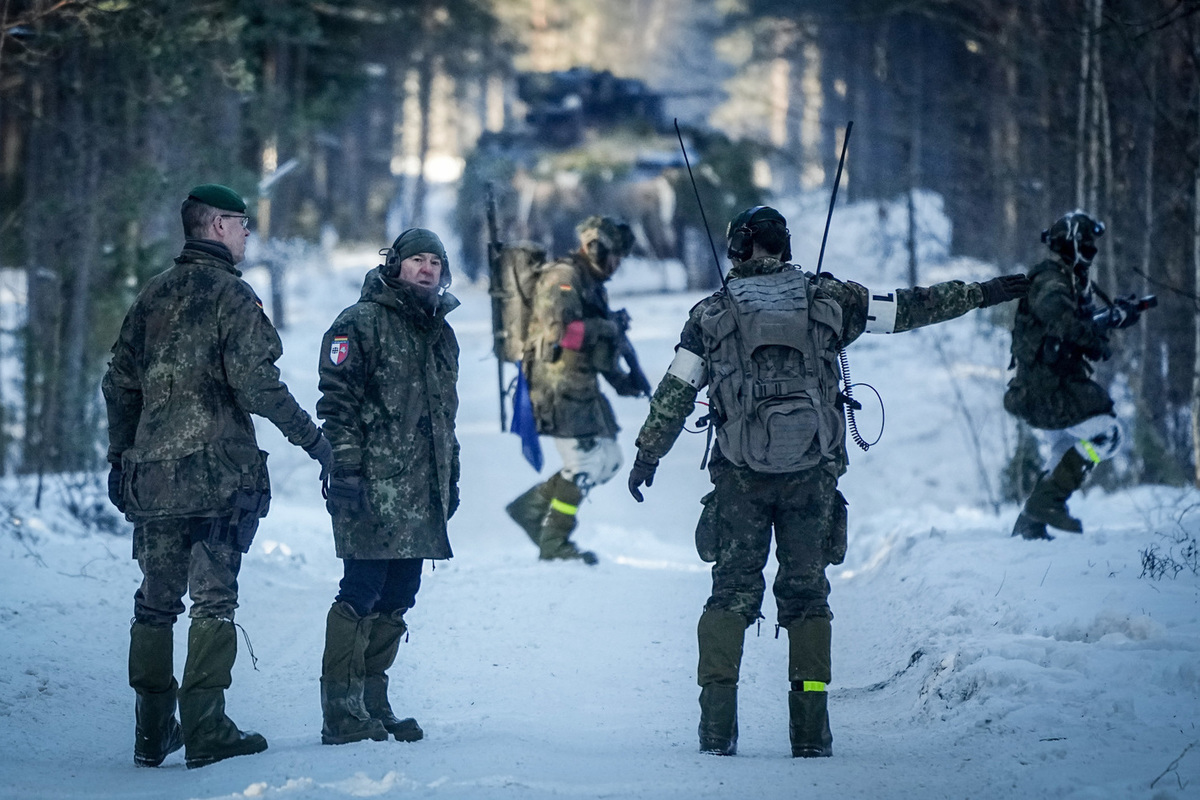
(601, 236)
(751, 223)
(1073, 236)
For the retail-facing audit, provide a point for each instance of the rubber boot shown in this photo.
(530, 509)
(208, 734)
(720, 635)
(809, 673)
(151, 675)
(343, 671)
(382, 646)
(560, 522)
(1047, 503)
(1029, 528)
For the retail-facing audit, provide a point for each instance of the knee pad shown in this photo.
(1097, 438)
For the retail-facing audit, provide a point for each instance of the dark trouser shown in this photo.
(804, 510)
(177, 556)
(380, 585)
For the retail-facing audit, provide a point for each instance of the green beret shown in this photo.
(418, 240)
(218, 196)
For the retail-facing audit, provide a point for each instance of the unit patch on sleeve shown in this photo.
(339, 349)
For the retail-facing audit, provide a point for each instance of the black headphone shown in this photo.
(741, 238)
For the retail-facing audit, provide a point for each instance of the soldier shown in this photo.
(194, 358)
(780, 449)
(389, 369)
(1057, 332)
(572, 338)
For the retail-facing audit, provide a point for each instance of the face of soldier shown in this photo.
(228, 230)
(423, 269)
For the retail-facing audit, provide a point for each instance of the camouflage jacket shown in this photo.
(1053, 338)
(388, 379)
(194, 358)
(563, 380)
(675, 398)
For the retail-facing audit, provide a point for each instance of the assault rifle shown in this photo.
(496, 290)
(635, 378)
(1123, 311)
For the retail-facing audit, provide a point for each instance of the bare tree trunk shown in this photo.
(1081, 126)
(915, 144)
(1195, 323)
(425, 70)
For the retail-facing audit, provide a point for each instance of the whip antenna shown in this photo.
(703, 216)
(837, 179)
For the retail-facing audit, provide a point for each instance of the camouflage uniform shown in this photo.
(388, 409)
(571, 340)
(194, 358)
(1052, 334)
(806, 510)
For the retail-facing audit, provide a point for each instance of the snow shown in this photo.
(966, 663)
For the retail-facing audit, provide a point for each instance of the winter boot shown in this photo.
(1048, 501)
(208, 734)
(382, 645)
(720, 635)
(342, 677)
(1029, 528)
(530, 509)
(151, 674)
(809, 672)
(560, 521)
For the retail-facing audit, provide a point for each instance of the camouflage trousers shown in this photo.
(177, 556)
(807, 515)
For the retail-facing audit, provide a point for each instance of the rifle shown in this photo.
(1123, 311)
(635, 376)
(496, 291)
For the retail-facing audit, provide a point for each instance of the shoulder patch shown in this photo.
(339, 349)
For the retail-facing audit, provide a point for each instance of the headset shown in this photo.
(391, 264)
(741, 238)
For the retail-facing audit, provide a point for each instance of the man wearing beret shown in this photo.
(194, 359)
(389, 374)
(572, 339)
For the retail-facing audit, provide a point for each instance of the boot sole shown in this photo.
(358, 737)
(195, 762)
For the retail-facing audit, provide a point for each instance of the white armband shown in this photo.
(881, 312)
(689, 368)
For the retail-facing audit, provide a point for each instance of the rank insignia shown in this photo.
(339, 349)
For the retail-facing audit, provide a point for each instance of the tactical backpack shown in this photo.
(773, 372)
(520, 265)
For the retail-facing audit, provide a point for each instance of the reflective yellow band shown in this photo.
(813, 686)
(1090, 451)
(564, 508)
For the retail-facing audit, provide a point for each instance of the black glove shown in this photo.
(625, 384)
(346, 493)
(642, 473)
(1003, 289)
(321, 451)
(114, 488)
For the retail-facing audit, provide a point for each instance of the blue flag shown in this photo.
(523, 424)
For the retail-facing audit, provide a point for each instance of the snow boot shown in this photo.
(809, 672)
(344, 715)
(1029, 528)
(209, 735)
(530, 509)
(1048, 501)
(559, 522)
(151, 675)
(720, 635)
(382, 646)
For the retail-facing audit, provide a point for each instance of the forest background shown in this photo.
(342, 120)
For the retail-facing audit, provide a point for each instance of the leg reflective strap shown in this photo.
(1090, 451)
(564, 508)
(813, 686)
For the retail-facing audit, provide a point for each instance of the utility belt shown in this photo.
(238, 529)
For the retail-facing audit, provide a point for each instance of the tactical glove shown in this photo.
(321, 451)
(625, 384)
(642, 473)
(1003, 289)
(346, 493)
(114, 488)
